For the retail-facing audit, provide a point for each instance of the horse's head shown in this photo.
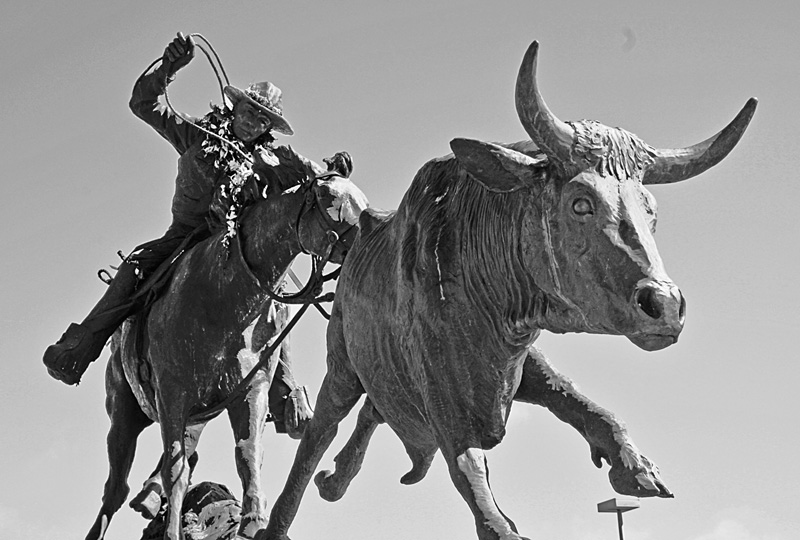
(329, 220)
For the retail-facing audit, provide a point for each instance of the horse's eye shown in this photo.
(582, 207)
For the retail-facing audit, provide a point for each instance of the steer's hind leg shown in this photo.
(248, 420)
(340, 391)
(631, 473)
(127, 422)
(470, 475)
(332, 485)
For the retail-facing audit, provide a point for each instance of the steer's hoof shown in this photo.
(643, 480)
(329, 489)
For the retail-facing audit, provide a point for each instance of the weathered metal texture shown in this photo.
(439, 303)
(214, 323)
(210, 512)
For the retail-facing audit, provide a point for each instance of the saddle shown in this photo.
(154, 285)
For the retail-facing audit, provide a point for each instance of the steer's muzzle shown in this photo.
(661, 310)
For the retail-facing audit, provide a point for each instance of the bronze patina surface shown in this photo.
(213, 324)
(440, 302)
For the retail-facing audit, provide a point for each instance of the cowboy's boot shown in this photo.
(289, 405)
(82, 343)
(297, 412)
(292, 411)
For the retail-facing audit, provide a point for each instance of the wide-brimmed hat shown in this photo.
(267, 97)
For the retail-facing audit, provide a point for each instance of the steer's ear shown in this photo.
(497, 168)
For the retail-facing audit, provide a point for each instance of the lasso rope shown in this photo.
(315, 279)
(222, 83)
(222, 79)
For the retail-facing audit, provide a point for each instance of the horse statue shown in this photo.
(439, 304)
(186, 359)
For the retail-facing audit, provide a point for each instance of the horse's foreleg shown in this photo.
(149, 501)
(127, 422)
(248, 417)
(339, 393)
(175, 466)
(631, 473)
(332, 485)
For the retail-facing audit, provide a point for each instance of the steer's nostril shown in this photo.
(682, 309)
(647, 300)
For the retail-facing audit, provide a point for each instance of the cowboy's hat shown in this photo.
(267, 97)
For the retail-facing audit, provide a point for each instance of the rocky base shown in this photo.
(210, 512)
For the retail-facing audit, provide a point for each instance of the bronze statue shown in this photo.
(191, 350)
(215, 181)
(198, 307)
(439, 303)
(210, 512)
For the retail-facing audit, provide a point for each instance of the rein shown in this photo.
(312, 290)
(222, 84)
(316, 278)
(207, 415)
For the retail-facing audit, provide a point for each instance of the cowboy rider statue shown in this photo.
(208, 195)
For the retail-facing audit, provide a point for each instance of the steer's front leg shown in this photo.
(470, 475)
(631, 473)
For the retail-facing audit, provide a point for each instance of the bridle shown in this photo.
(311, 292)
(309, 295)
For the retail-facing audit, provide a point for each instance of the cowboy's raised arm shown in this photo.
(148, 102)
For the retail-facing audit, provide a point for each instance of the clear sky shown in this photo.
(393, 83)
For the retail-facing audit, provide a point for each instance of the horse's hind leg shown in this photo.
(127, 422)
(248, 420)
(332, 485)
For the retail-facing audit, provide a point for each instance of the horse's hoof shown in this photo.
(266, 535)
(148, 502)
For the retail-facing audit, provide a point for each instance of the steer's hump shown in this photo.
(372, 218)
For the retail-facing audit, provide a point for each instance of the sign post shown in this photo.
(618, 506)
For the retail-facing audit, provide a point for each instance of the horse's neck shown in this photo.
(269, 239)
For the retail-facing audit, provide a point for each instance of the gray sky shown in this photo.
(393, 83)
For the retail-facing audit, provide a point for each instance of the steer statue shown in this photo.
(439, 303)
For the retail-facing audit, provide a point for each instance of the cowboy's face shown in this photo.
(249, 122)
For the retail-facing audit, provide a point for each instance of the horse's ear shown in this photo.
(270, 180)
(498, 169)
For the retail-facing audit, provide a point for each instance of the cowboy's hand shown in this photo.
(178, 53)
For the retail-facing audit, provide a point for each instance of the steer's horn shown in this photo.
(550, 134)
(674, 165)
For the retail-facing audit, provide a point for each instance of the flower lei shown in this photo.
(232, 158)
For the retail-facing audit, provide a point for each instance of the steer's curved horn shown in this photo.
(674, 165)
(550, 134)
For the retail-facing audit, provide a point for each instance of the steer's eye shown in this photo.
(582, 207)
